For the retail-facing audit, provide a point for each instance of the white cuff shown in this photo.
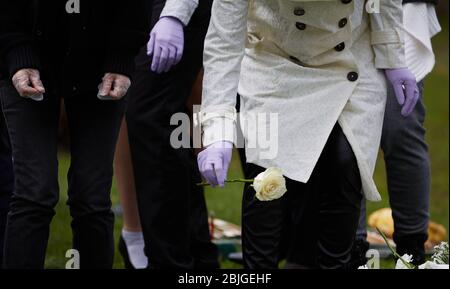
(386, 36)
(390, 56)
(389, 49)
(218, 126)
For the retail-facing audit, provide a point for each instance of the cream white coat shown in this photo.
(255, 47)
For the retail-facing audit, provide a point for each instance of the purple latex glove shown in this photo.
(214, 161)
(166, 44)
(405, 88)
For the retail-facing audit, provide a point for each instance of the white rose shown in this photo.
(270, 185)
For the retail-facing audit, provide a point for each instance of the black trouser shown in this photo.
(172, 209)
(317, 221)
(203, 251)
(33, 130)
(407, 162)
(6, 180)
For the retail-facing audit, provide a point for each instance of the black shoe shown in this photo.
(124, 252)
(412, 245)
(358, 257)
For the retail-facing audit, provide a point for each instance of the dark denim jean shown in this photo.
(33, 130)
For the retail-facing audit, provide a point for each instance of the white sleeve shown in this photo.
(223, 54)
(180, 9)
(387, 35)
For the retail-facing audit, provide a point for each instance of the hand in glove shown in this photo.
(405, 88)
(113, 87)
(28, 84)
(213, 162)
(166, 44)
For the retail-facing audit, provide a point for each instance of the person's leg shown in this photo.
(94, 127)
(32, 128)
(408, 175)
(361, 245)
(340, 192)
(325, 229)
(163, 173)
(6, 180)
(162, 186)
(204, 252)
(123, 170)
(361, 232)
(264, 223)
(131, 239)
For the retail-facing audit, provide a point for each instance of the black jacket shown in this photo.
(104, 37)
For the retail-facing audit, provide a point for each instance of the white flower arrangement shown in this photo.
(440, 255)
(439, 258)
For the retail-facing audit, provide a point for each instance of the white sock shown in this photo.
(134, 242)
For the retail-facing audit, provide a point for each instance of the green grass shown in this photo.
(226, 203)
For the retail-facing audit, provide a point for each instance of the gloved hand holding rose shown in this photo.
(213, 162)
